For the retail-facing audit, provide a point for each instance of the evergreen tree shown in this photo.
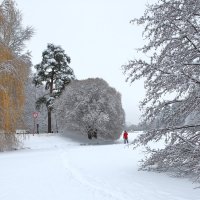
(55, 72)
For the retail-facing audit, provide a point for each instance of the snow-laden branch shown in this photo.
(172, 103)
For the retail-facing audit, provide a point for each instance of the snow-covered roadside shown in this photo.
(52, 167)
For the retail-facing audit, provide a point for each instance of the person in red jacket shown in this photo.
(125, 136)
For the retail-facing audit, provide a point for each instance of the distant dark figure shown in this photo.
(52, 131)
(89, 133)
(125, 136)
(94, 134)
(89, 136)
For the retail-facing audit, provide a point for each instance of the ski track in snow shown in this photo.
(106, 188)
(91, 185)
(55, 168)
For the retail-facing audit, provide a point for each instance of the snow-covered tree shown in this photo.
(55, 73)
(12, 33)
(92, 107)
(31, 94)
(172, 81)
(14, 68)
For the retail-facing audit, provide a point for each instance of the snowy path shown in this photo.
(55, 168)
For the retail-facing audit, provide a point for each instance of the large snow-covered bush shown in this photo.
(92, 107)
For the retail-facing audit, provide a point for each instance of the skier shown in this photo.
(125, 136)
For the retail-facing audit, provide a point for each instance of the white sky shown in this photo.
(96, 34)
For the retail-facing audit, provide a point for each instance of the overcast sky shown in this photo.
(96, 34)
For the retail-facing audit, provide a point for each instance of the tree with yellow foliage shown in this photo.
(14, 67)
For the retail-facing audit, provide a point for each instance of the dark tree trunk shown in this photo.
(49, 110)
(49, 121)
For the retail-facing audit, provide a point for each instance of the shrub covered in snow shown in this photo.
(92, 107)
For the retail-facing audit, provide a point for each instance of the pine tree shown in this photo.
(55, 72)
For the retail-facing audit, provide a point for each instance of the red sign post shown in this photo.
(35, 115)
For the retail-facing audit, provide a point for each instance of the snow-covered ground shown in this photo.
(52, 167)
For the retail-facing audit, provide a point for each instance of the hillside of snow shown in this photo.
(53, 167)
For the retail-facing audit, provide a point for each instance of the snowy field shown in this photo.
(52, 167)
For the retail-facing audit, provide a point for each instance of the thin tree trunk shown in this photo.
(49, 111)
(49, 121)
